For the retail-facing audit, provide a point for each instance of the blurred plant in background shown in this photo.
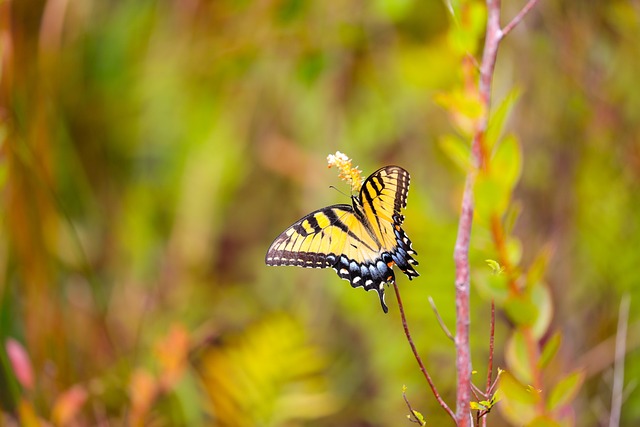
(151, 149)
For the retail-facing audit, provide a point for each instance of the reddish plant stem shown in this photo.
(494, 35)
(461, 259)
(417, 356)
(492, 329)
(461, 251)
(516, 19)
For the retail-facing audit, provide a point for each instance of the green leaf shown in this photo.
(518, 403)
(521, 310)
(491, 286)
(565, 390)
(484, 404)
(495, 266)
(464, 108)
(540, 296)
(549, 350)
(490, 197)
(498, 119)
(493, 189)
(457, 150)
(514, 250)
(518, 357)
(513, 389)
(420, 417)
(513, 212)
(538, 268)
(465, 37)
(506, 164)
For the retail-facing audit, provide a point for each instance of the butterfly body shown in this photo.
(361, 242)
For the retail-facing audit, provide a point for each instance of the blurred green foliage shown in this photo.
(152, 149)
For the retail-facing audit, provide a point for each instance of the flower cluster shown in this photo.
(352, 175)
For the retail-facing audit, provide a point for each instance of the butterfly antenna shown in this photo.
(339, 191)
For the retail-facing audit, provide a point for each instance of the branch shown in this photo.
(461, 251)
(461, 258)
(494, 34)
(412, 417)
(618, 366)
(417, 356)
(516, 19)
(440, 321)
(492, 329)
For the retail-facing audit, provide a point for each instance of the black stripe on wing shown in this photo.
(276, 256)
(374, 268)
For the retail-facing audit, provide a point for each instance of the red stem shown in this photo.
(461, 258)
(418, 358)
(492, 329)
(491, 347)
(461, 252)
(516, 19)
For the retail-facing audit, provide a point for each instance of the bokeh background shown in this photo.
(152, 149)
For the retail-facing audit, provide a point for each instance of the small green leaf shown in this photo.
(490, 197)
(517, 403)
(549, 350)
(521, 309)
(518, 357)
(464, 109)
(511, 216)
(491, 286)
(465, 37)
(419, 417)
(498, 119)
(457, 150)
(540, 297)
(484, 405)
(495, 266)
(494, 399)
(565, 390)
(506, 164)
(512, 389)
(538, 268)
(514, 250)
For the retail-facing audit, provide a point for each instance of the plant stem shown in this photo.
(516, 19)
(417, 356)
(479, 160)
(618, 366)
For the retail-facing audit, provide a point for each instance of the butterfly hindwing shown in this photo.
(382, 197)
(361, 243)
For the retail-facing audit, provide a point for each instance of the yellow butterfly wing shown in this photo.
(360, 242)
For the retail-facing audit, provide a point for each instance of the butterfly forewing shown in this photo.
(360, 243)
(382, 196)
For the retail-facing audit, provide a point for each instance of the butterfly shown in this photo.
(361, 242)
